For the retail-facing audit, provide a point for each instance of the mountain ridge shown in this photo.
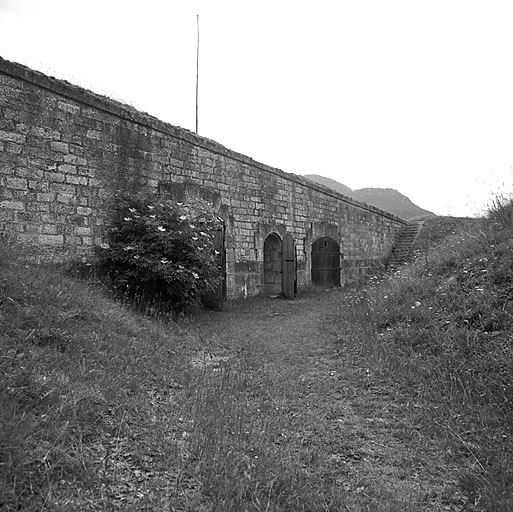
(387, 199)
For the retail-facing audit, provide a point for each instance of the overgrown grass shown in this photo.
(75, 373)
(103, 408)
(443, 327)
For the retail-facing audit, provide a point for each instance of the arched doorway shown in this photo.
(326, 262)
(272, 264)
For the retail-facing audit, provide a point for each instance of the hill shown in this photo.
(392, 201)
(387, 199)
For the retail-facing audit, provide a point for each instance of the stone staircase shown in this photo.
(402, 251)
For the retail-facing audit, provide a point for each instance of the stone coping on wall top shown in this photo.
(129, 113)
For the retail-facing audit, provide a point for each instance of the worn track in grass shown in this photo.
(360, 422)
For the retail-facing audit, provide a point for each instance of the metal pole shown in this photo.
(197, 70)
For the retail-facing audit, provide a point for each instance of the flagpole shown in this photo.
(197, 69)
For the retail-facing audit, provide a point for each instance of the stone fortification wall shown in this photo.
(65, 152)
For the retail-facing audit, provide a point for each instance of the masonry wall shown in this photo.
(65, 152)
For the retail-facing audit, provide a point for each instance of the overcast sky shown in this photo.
(412, 95)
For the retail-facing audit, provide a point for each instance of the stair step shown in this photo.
(402, 250)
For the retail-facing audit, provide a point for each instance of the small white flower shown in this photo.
(202, 233)
(417, 304)
(105, 246)
(161, 228)
(195, 275)
(132, 210)
(136, 256)
(182, 217)
(128, 218)
(152, 216)
(195, 238)
(128, 248)
(164, 261)
(179, 204)
(192, 226)
(151, 207)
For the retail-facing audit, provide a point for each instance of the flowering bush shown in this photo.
(160, 253)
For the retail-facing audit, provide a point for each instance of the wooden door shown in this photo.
(215, 299)
(288, 266)
(326, 262)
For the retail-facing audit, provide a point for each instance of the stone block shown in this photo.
(75, 160)
(68, 107)
(16, 183)
(94, 134)
(66, 198)
(32, 228)
(40, 207)
(5, 193)
(72, 240)
(60, 147)
(12, 205)
(49, 229)
(46, 239)
(64, 188)
(11, 147)
(44, 133)
(61, 208)
(54, 177)
(84, 211)
(77, 180)
(67, 168)
(82, 230)
(12, 137)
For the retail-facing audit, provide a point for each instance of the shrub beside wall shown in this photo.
(159, 255)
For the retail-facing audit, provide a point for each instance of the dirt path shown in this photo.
(360, 423)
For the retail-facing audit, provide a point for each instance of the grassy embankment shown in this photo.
(102, 409)
(442, 327)
(105, 409)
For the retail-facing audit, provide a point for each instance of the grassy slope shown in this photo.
(78, 373)
(103, 409)
(443, 327)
